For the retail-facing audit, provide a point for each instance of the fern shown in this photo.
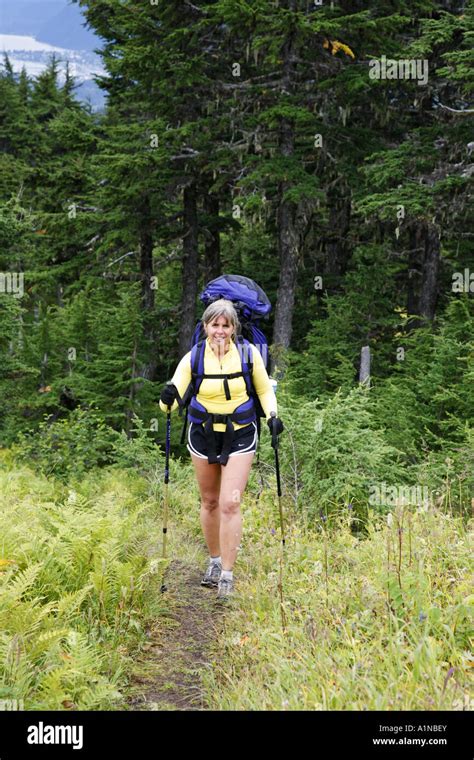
(23, 581)
(45, 641)
(70, 602)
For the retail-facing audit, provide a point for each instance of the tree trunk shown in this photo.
(364, 369)
(337, 247)
(148, 370)
(288, 252)
(190, 269)
(212, 244)
(287, 235)
(146, 268)
(430, 272)
(413, 273)
(131, 392)
(424, 261)
(292, 222)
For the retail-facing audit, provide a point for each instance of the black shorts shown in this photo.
(245, 440)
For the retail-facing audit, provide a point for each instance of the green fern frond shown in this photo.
(23, 581)
(45, 640)
(70, 603)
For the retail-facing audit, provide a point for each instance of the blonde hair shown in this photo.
(222, 308)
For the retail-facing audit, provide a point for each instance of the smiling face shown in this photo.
(219, 331)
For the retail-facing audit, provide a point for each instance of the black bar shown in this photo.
(343, 734)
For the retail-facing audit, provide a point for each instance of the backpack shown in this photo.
(251, 304)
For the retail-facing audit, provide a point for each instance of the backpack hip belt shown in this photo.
(243, 414)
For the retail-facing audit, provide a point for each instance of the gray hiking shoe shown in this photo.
(212, 575)
(225, 590)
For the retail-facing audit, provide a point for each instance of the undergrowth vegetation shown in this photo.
(80, 571)
(375, 607)
(381, 622)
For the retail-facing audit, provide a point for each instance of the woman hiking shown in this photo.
(222, 451)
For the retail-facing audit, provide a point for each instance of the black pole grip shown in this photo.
(178, 397)
(274, 435)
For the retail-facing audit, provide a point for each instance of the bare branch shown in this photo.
(130, 253)
(174, 256)
(195, 8)
(235, 145)
(252, 81)
(191, 154)
(92, 241)
(456, 110)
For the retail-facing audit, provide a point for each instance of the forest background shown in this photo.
(324, 150)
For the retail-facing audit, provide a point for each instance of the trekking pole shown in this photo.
(277, 466)
(282, 528)
(167, 474)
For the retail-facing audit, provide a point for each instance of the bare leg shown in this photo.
(209, 479)
(234, 479)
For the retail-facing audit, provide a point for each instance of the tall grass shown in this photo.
(375, 623)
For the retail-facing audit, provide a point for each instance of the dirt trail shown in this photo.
(179, 645)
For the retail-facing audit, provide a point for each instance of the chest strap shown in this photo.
(225, 377)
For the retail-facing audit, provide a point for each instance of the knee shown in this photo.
(229, 507)
(209, 503)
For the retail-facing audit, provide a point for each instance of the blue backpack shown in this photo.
(251, 304)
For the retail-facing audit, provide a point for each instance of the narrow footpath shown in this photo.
(179, 646)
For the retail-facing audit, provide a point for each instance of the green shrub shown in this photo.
(76, 444)
(332, 452)
(68, 446)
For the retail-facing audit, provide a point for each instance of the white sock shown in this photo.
(215, 560)
(227, 575)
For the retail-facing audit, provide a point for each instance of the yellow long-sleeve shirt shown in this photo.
(211, 392)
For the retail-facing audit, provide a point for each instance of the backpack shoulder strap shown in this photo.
(196, 359)
(246, 359)
(197, 364)
(246, 355)
(195, 382)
